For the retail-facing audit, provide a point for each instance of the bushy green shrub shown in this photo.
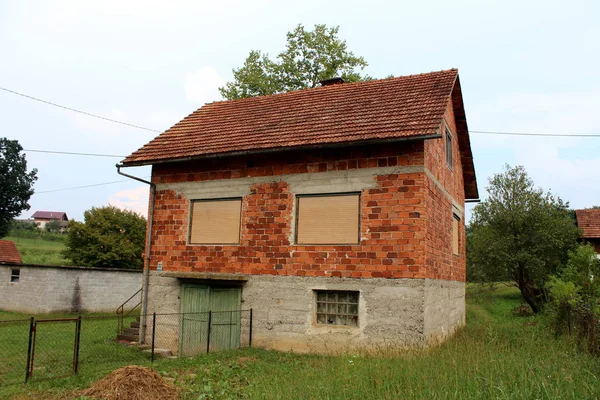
(575, 295)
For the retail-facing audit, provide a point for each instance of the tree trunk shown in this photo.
(528, 291)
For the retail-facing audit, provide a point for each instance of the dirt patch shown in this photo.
(132, 383)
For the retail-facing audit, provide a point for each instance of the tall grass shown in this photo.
(497, 356)
(40, 250)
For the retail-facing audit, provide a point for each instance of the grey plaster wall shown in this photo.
(444, 309)
(392, 312)
(43, 289)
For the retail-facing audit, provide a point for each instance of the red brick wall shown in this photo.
(393, 218)
(440, 260)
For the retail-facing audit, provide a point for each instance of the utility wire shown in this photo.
(538, 134)
(86, 186)
(74, 153)
(79, 111)
(157, 131)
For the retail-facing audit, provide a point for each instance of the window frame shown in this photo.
(456, 222)
(15, 277)
(297, 217)
(449, 140)
(347, 315)
(191, 220)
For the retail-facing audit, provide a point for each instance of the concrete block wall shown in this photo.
(392, 312)
(44, 289)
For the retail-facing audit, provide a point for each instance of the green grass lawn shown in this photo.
(40, 251)
(497, 356)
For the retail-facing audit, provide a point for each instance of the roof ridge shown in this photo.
(330, 87)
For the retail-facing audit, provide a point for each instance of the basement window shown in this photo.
(328, 219)
(449, 160)
(335, 307)
(15, 274)
(215, 221)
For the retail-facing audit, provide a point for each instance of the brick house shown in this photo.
(335, 213)
(588, 220)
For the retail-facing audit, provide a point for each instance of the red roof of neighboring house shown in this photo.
(589, 221)
(9, 253)
(50, 215)
(349, 113)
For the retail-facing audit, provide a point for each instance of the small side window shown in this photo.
(449, 160)
(455, 234)
(15, 274)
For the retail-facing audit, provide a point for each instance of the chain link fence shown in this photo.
(37, 349)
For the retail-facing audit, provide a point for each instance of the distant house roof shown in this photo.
(341, 114)
(9, 253)
(588, 220)
(59, 215)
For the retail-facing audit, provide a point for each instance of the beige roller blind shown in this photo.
(328, 219)
(455, 233)
(215, 222)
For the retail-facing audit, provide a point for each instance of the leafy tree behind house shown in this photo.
(309, 57)
(16, 184)
(108, 238)
(520, 234)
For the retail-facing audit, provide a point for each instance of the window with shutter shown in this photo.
(455, 234)
(328, 219)
(215, 221)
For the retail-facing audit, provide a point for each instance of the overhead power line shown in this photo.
(86, 186)
(157, 131)
(538, 134)
(79, 111)
(72, 153)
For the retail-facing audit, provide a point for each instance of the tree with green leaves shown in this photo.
(521, 234)
(309, 57)
(108, 238)
(16, 184)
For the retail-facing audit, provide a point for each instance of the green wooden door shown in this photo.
(196, 301)
(193, 330)
(225, 326)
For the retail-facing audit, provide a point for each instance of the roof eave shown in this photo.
(466, 155)
(435, 135)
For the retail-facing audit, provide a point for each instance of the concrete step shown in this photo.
(135, 324)
(128, 338)
(131, 331)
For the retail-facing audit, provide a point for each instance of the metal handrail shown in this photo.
(121, 311)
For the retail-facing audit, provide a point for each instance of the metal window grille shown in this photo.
(337, 307)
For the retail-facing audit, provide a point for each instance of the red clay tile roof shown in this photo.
(9, 253)
(403, 107)
(50, 215)
(589, 221)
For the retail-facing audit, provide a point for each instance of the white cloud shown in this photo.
(132, 200)
(202, 86)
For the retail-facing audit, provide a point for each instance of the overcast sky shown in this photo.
(525, 66)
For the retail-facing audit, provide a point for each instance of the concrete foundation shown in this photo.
(392, 312)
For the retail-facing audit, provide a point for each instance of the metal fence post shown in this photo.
(31, 327)
(153, 333)
(209, 329)
(77, 343)
(250, 338)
